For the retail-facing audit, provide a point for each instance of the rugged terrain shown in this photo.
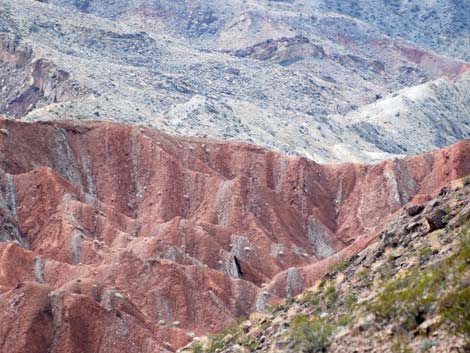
(408, 292)
(159, 238)
(309, 78)
(161, 175)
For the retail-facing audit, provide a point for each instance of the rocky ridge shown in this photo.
(160, 238)
(416, 21)
(28, 83)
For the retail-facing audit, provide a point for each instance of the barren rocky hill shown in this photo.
(287, 75)
(126, 239)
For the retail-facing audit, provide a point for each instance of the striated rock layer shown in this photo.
(124, 239)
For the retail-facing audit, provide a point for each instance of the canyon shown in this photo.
(171, 168)
(121, 238)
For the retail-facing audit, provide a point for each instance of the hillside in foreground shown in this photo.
(408, 292)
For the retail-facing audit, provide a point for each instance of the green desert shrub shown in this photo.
(350, 300)
(410, 299)
(310, 298)
(339, 267)
(455, 310)
(330, 296)
(197, 348)
(218, 342)
(311, 335)
(35, 28)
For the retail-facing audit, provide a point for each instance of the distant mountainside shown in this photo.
(441, 26)
(306, 78)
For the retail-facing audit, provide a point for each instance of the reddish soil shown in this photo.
(125, 239)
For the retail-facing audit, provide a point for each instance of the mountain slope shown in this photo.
(408, 292)
(158, 238)
(442, 26)
(279, 74)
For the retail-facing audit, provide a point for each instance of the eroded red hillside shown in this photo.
(125, 239)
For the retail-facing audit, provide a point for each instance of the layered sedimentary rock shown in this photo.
(119, 238)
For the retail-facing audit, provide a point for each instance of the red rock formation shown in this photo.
(125, 239)
(435, 64)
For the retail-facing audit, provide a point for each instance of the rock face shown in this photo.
(29, 83)
(126, 239)
(392, 296)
